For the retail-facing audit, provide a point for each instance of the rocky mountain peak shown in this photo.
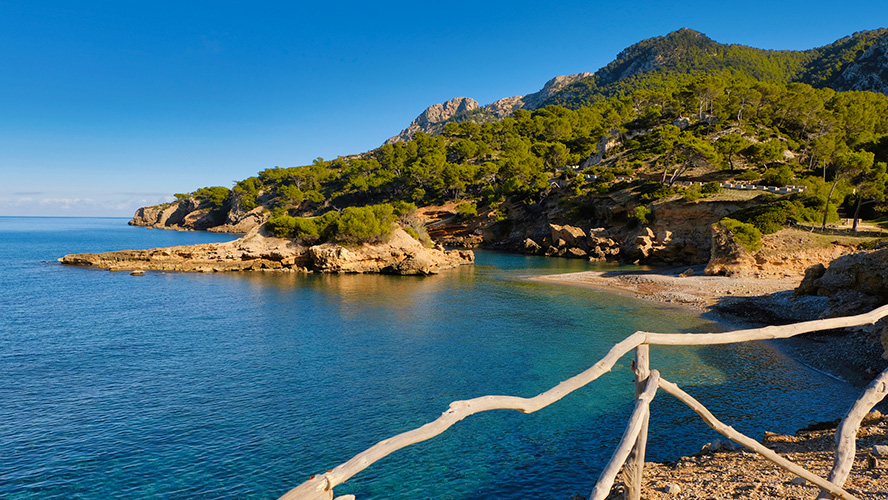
(434, 117)
(507, 106)
(652, 53)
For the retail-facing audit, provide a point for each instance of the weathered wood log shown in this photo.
(846, 434)
(766, 333)
(630, 436)
(461, 409)
(752, 444)
(316, 488)
(635, 465)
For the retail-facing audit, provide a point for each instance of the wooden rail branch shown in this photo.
(320, 487)
(635, 464)
(459, 410)
(630, 436)
(846, 434)
(766, 333)
(752, 444)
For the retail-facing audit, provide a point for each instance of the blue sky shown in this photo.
(106, 106)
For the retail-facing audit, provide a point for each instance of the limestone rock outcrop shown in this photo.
(573, 242)
(727, 257)
(242, 222)
(191, 214)
(854, 283)
(605, 144)
(180, 213)
(401, 255)
(506, 106)
(867, 72)
(432, 120)
(258, 252)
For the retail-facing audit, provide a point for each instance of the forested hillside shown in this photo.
(670, 109)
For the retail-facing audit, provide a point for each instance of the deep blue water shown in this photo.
(174, 385)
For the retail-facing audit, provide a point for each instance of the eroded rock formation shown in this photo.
(257, 252)
(432, 120)
(854, 283)
(191, 214)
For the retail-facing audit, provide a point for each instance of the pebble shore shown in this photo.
(722, 470)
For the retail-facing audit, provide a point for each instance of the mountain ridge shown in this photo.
(856, 62)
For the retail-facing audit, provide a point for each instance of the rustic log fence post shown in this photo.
(846, 434)
(630, 436)
(635, 465)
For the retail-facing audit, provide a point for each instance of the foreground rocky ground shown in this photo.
(721, 471)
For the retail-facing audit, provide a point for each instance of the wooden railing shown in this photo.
(630, 452)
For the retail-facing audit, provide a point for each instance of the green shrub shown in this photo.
(745, 234)
(315, 196)
(653, 190)
(606, 177)
(246, 193)
(769, 217)
(778, 176)
(692, 193)
(640, 215)
(403, 208)
(466, 210)
(365, 224)
(216, 196)
(748, 175)
(711, 188)
(281, 226)
(290, 194)
(327, 225)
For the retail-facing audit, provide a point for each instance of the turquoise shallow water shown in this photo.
(174, 385)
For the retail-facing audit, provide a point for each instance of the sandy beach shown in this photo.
(684, 287)
(853, 355)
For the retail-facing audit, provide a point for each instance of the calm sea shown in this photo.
(233, 386)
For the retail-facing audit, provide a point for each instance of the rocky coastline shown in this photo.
(850, 284)
(258, 251)
(793, 277)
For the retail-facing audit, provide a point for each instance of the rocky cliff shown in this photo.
(191, 214)
(786, 253)
(258, 252)
(505, 107)
(854, 283)
(432, 120)
(678, 233)
(868, 72)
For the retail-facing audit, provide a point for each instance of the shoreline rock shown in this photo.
(730, 471)
(258, 252)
